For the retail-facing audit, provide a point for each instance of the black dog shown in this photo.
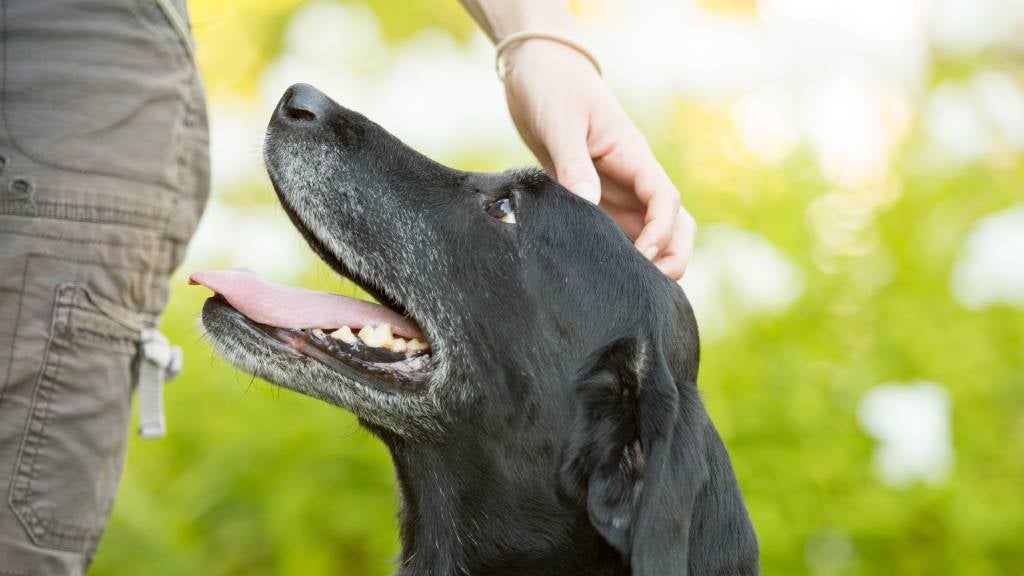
(553, 425)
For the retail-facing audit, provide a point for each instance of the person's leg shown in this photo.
(103, 175)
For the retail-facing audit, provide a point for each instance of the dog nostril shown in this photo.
(302, 104)
(299, 114)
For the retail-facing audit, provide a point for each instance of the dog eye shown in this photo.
(502, 210)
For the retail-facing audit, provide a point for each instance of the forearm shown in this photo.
(499, 18)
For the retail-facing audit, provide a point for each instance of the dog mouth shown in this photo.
(340, 332)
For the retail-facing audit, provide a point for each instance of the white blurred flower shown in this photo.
(439, 97)
(990, 270)
(736, 273)
(236, 144)
(967, 27)
(955, 126)
(968, 121)
(321, 31)
(257, 237)
(911, 423)
(442, 98)
(764, 123)
(1003, 102)
(853, 122)
(846, 66)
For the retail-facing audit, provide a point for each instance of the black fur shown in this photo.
(562, 431)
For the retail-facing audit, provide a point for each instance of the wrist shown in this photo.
(506, 17)
(539, 53)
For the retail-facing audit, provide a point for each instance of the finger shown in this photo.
(655, 190)
(674, 260)
(632, 164)
(574, 168)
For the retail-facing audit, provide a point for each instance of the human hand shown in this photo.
(581, 135)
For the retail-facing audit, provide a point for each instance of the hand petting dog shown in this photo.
(584, 139)
(578, 131)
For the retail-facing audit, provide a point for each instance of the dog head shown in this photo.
(559, 378)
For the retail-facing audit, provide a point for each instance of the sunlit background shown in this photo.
(856, 168)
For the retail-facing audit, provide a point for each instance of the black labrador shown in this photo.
(531, 373)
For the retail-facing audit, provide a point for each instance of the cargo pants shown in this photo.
(103, 175)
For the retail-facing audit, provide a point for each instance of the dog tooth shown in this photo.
(415, 345)
(384, 333)
(345, 335)
(378, 337)
(509, 218)
(317, 332)
(367, 334)
(398, 345)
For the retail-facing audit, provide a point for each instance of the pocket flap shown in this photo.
(84, 317)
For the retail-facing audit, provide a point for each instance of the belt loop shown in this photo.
(159, 363)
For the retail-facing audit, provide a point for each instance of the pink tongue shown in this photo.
(288, 307)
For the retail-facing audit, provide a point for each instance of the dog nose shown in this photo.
(302, 103)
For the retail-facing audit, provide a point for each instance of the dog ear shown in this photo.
(625, 456)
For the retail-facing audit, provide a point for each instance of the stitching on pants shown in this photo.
(79, 213)
(65, 238)
(29, 443)
(43, 527)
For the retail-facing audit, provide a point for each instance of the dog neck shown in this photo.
(463, 514)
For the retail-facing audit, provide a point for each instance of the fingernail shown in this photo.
(650, 252)
(586, 191)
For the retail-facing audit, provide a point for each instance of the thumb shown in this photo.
(574, 167)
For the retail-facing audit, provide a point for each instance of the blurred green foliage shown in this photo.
(255, 480)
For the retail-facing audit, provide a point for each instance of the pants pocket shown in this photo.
(71, 456)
